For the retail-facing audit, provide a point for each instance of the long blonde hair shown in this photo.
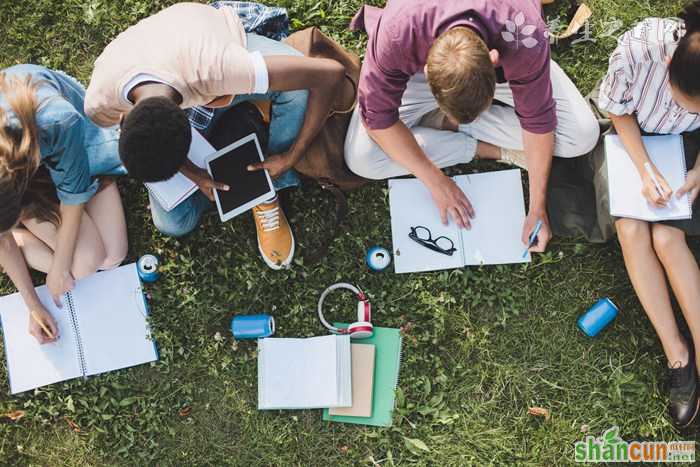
(23, 191)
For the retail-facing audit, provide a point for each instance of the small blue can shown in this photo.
(147, 267)
(597, 317)
(378, 258)
(252, 326)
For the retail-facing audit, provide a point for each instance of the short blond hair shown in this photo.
(460, 74)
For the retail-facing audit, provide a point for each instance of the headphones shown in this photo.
(362, 328)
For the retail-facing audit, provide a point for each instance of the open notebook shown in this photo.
(308, 373)
(175, 190)
(625, 184)
(102, 327)
(495, 236)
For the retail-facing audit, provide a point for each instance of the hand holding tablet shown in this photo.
(246, 189)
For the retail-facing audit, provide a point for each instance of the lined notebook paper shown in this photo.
(495, 236)
(102, 327)
(175, 190)
(308, 373)
(625, 184)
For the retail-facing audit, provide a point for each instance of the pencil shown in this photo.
(43, 326)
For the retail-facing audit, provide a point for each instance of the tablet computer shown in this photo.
(246, 189)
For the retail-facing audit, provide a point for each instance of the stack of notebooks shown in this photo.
(353, 382)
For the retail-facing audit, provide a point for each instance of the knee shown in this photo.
(666, 239)
(587, 134)
(176, 226)
(87, 260)
(632, 232)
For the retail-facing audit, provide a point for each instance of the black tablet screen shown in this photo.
(244, 186)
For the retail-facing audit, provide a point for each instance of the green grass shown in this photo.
(481, 344)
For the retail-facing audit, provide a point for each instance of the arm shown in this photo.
(322, 77)
(13, 264)
(398, 142)
(627, 128)
(539, 149)
(59, 279)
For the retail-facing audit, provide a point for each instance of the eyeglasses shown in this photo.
(424, 237)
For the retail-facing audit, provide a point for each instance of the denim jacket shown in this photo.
(72, 148)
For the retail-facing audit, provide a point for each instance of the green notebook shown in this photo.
(386, 377)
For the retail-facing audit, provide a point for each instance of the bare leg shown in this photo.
(649, 281)
(36, 253)
(106, 211)
(89, 251)
(683, 274)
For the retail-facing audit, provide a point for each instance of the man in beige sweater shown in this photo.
(191, 55)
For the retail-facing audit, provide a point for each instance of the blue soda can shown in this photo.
(147, 267)
(597, 317)
(378, 258)
(252, 326)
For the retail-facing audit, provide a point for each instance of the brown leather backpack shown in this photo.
(324, 160)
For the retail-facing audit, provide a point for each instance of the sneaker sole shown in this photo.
(285, 264)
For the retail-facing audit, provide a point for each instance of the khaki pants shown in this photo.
(576, 133)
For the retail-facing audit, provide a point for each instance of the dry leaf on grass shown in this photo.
(185, 411)
(539, 412)
(15, 415)
(73, 426)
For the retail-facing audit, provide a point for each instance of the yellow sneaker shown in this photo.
(275, 239)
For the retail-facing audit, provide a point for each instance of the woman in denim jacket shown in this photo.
(56, 216)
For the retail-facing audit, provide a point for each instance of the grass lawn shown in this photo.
(481, 345)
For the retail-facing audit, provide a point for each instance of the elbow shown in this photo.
(335, 74)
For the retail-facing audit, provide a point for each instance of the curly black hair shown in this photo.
(155, 139)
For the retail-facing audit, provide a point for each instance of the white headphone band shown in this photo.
(340, 285)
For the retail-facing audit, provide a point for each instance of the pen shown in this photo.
(533, 236)
(647, 167)
(43, 326)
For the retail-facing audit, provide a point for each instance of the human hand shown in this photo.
(276, 164)
(452, 202)
(651, 193)
(543, 236)
(206, 184)
(59, 281)
(39, 319)
(691, 185)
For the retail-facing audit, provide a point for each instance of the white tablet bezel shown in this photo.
(250, 204)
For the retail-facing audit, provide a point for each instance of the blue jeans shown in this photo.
(286, 120)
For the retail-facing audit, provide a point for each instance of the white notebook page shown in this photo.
(411, 205)
(30, 365)
(304, 373)
(172, 192)
(495, 235)
(112, 321)
(499, 205)
(625, 184)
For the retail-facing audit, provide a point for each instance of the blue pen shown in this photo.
(533, 236)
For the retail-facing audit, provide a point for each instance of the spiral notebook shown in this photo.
(495, 235)
(102, 327)
(304, 373)
(625, 184)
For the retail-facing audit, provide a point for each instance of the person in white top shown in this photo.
(653, 86)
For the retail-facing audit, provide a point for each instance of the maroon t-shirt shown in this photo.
(401, 34)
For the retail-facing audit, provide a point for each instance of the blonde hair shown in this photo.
(20, 157)
(460, 74)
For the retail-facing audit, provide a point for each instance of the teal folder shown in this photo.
(387, 342)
